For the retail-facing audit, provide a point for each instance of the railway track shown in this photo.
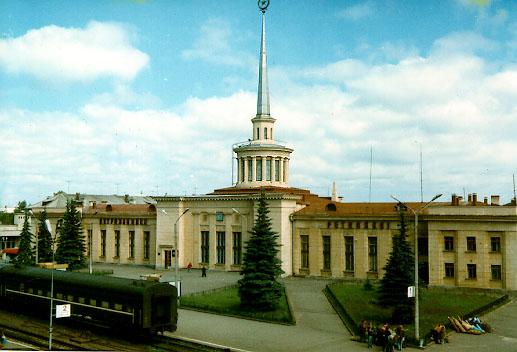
(34, 332)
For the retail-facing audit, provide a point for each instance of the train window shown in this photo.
(105, 304)
(118, 306)
(81, 300)
(30, 290)
(59, 295)
(93, 302)
(22, 287)
(40, 292)
(71, 298)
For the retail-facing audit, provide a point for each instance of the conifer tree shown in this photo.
(25, 253)
(398, 277)
(70, 244)
(44, 239)
(259, 288)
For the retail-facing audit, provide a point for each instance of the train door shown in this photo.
(168, 258)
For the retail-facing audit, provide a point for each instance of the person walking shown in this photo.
(203, 271)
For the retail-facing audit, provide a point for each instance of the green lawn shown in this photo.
(436, 304)
(226, 301)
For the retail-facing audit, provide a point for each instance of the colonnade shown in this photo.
(263, 168)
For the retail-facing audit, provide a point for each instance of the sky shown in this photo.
(148, 97)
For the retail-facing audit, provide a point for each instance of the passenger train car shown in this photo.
(136, 306)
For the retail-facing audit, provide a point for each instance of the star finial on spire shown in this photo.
(263, 4)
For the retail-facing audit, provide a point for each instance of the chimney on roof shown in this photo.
(474, 198)
(454, 199)
(126, 198)
(469, 199)
(460, 200)
(494, 200)
(485, 201)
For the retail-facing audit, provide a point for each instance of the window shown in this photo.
(448, 243)
(258, 133)
(205, 246)
(372, 254)
(471, 271)
(103, 243)
(250, 169)
(423, 247)
(449, 270)
(471, 244)
(259, 170)
(221, 247)
(277, 170)
(237, 248)
(326, 252)
(495, 244)
(90, 234)
(268, 169)
(349, 253)
(265, 133)
(117, 243)
(304, 240)
(131, 244)
(243, 167)
(147, 244)
(219, 217)
(496, 272)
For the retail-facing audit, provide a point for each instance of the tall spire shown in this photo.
(263, 89)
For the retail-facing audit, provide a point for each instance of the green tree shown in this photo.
(70, 244)
(21, 206)
(259, 288)
(25, 253)
(44, 239)
(398, 276)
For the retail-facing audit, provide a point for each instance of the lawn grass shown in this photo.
(226, 301)
(436, 304)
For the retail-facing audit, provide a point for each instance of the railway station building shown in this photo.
(462, 242)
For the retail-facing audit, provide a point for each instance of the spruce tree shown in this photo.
(398, 276)
(25, 253)
(70, 244)
(259, 288)
(44, 240)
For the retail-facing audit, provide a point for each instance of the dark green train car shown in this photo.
(125, 304)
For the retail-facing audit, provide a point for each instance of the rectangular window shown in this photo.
(103, 243)
(221, 247)
(304, 240)
(147, 244)
(243, 167)
(326, 252)
(423, 248)
(237, 248)
(250, 169)
(495, 244)
(471, 244)
(265, 132)
(268, 169)
(205, 246)
(259, 170)
(496, 272)
(277, 170)
(117, 243)
(349, 253)
(131, 244)
(372, 254)
(448, 243)
(471, 271)
(449, 270)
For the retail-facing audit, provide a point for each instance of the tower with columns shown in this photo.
(262, 161)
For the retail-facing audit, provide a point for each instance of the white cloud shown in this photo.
(358, 12)
(216, 44)
(74, 54)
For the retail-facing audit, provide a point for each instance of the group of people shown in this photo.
(382, 336)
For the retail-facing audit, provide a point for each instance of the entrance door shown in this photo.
(168, 260)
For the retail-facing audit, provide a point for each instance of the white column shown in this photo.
(245, 161)
(273, 170)
(264, 168)
(286, 170)
(281, 172)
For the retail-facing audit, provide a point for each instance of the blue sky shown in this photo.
(147, 97)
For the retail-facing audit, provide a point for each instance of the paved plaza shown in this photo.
(318, 327)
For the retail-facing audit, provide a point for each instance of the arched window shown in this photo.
(330, 207)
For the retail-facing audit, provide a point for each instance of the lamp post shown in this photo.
(176, 255)
(416, 212)
(49, 228)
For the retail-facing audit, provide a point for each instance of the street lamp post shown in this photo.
(49, 228)
(176, 255)
(416, 212)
